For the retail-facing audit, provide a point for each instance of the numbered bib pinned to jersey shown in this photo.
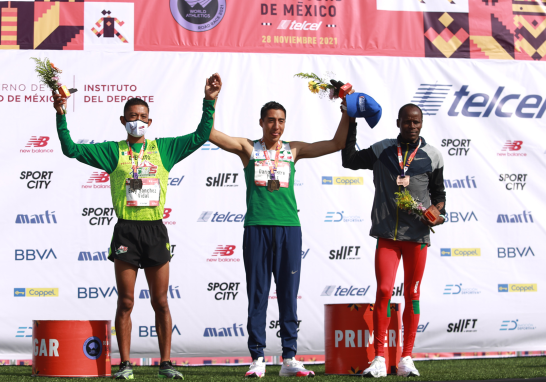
(147, 196)
(262, 174)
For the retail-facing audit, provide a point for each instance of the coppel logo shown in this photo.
(518, 288)
(36, 292)
(327, 180)
(460, 252)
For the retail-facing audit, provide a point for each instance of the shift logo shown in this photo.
(345, 253)
(173, 293)
(468, 182)
(460, 252)
(223, 180)
(34, 254)
(458, 289)
(398, 291)
(276, 324)
(224, 291)
(525, 217)
(517, 288)
(93, 292)
(456, 147)
(37, 144)
(99, 216)
(337, 217)
(463, 326)
(98, 180)
(513, 148)
(230, 331)
(37, 179)
(47, 218)
(513, 252)
(36, 292)
(222, 254)
(93, 256)
(513, 182)
(482, 105)
(198, 15)
(460, 217)
(343, 180)
(340, 291)
(509, 325)
(430, 97)
(220, 218)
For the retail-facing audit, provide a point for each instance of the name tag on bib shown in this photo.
(262, 174)
(147, 196)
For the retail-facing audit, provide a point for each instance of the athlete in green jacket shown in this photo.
(139, 171)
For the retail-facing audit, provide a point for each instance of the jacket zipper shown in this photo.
(396, 226)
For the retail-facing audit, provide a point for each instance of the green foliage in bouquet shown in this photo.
(316, 84)
(48, 73)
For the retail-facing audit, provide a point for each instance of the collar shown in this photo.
(412, 145)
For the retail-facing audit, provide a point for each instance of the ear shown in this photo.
(398, 123)
(261, 123)
(122, 120)
(149, 122)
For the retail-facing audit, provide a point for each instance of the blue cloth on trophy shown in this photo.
(360, 105)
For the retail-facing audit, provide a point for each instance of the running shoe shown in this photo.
(125, 371)
(406, 368)
(166, 370)
(256, 369)
(377, 368)
(292, 368)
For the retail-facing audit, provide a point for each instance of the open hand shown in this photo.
(58, 102)
(213, 86)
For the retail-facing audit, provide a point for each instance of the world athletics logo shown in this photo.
(198, 15)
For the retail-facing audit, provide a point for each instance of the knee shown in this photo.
(160, 303)
(125, 304)
(384, 291)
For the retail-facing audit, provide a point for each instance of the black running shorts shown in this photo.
(140, 243)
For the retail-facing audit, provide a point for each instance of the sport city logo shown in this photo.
(464, 325)
(99, 216)
(37, 143)
(343, 180)
(150, 331)
(429, 97)
(93, 292)
(221, 218)
(30, 254)
(458, 289)
(230, 331)
(513, 181)
(173, 293)
(517, 288)
(198, 15)
(223, 180)
(276, 324)
(509, 148)
(513, 252)
(525, 217)
(47, 218)
(515, 325)
(482, 107)
(468, 182)
(337, 217)
(98, 180)
(93, 256)
(456, 147)
(224, 290)
(37, 179)
(345, 253)
(343, 292)
(460, 252)
(36, 292)
(460, 217)
(92, 348)
(221, 254)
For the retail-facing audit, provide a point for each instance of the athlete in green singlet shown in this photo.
(139, 171)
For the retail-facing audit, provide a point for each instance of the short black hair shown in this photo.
(135, 101)
(271, 105)
(406, 106)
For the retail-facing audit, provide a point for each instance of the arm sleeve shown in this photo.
(437, 188)
(103, 156)
(355, 160)
(173, 150)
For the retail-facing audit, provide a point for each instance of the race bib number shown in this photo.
(262, 174)
(147, 196)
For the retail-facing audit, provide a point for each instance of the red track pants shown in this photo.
(387, 258)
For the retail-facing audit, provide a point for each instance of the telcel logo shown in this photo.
(460, 252)
(36, 292)
(504, 288)
(340, 291)
(343, 180)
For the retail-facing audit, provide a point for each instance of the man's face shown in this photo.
(273, 125)
(410, 124)
(136, 112)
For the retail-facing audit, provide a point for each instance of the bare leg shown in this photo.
(158, 282)
(125, 279)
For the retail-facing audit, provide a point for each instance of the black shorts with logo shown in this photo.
(140, 243)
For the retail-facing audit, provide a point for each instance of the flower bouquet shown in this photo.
(317, 85)
(49, 75)
(405, 202)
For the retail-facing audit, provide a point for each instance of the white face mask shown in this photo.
(136, 128)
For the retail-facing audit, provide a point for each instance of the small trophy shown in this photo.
(432, 214)
(340, 89)
(317, 85)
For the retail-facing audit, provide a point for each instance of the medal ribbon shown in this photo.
(272, 167)
(403, 168)
(135, 171)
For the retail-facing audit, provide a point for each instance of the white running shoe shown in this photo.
(377, 369)
(406, 368)
(292, 368)
(256, 369)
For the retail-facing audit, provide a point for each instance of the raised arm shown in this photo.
(239, 146)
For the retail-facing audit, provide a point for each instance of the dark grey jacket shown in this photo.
(426, 184)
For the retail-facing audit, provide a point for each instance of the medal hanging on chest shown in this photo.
(403, 179)
(273, 184)
(135, 183)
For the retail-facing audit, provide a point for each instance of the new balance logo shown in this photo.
(40, 141)
(429, 97)
(99, 177)
(226, 250)
(512, 146)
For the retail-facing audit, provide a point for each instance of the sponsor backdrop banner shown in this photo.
(483, 282)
